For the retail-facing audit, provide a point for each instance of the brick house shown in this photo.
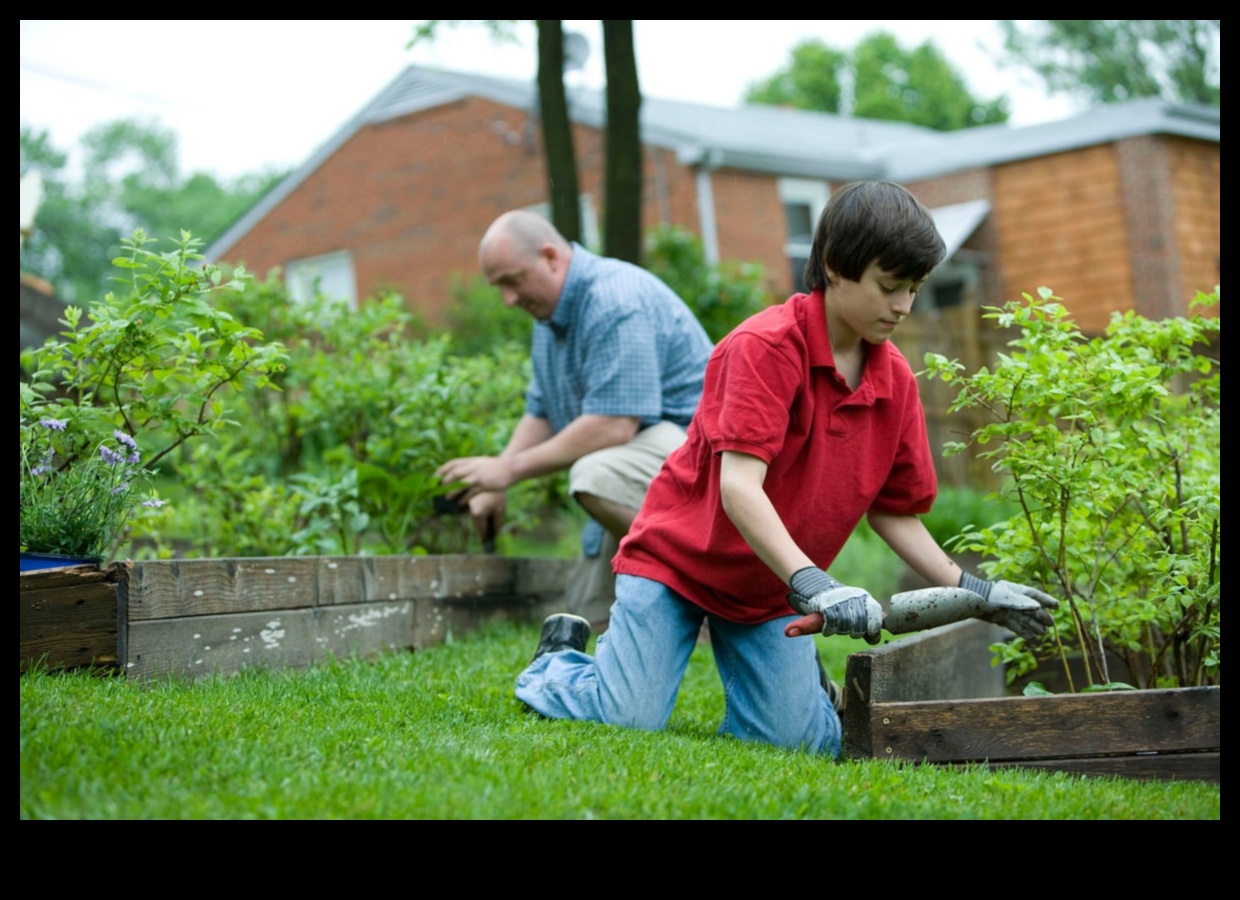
(1114, 209)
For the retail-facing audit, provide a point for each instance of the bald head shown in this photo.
(527, 259)
(525, 233)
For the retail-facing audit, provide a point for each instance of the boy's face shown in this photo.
(869, 309)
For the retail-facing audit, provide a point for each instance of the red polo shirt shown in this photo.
(832, 454)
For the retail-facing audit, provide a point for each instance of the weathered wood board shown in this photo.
(225, 643)
(934, 697)
(196, 617)
(71, 617)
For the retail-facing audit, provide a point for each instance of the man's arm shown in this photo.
(534, 450)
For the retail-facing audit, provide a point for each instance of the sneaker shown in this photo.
(562, 631)
(834, 691)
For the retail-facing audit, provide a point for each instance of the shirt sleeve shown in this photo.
(751, 387)
(534, 405)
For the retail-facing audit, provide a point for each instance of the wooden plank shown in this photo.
(197, 646)
(951, 662)
(441, 619)
(69, 624)
(1144, 767)
(1058, 726)
(178, 588)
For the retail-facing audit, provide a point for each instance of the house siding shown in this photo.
(1195, 180)
(1061, 223)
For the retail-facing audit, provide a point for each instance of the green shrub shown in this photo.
(722, 296)
(155, 363)
(479, 322)
(341, 460)
(1112, 446)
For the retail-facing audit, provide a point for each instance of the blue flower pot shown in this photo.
(33, 561)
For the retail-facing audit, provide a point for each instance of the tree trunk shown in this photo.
(622, 218)
(557, 130)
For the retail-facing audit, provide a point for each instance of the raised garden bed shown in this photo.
(199, 617)
(934, 697)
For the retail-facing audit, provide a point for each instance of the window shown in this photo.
(803, 202)
(330, 275)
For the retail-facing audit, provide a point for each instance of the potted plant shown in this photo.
(74, 502)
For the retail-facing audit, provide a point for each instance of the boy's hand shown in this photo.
(843, 609)
(1018, 607)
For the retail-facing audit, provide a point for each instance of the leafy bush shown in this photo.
(479, 322)
(722, 295)
(1112, 445)
(154, 361)
(341, 460)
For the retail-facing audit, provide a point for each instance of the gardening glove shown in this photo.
(844, 610)
(1020, 608)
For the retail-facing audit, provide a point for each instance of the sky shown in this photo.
(242, 96)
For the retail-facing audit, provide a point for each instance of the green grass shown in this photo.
(438, 735)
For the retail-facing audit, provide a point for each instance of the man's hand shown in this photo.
(487, 511)
(1018, 607)
(844, 610)
(478, 473)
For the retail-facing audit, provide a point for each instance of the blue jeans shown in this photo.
(770, 682)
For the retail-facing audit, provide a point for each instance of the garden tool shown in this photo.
(914, 611)
(449, 505)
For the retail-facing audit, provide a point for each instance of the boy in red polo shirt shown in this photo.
(810, 419)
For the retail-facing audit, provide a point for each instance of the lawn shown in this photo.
(437, 734)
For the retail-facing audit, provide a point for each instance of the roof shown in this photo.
(775, 140)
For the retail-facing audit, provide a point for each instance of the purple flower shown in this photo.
(134, 458)
(121, 488)
(54, 424)
(40, 470)
(111, 457)
(125, 439)
(154, 503)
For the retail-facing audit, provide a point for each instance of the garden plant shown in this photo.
(153, 364)
(1110, 447)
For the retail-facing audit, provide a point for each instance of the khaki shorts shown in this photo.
(622, 474)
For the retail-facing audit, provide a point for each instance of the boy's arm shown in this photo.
(741, 477)
(1023, 609)
(836, 608)
(908, 537)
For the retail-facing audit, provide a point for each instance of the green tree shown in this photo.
(130, 179)
(888, 82)
(1112, 60)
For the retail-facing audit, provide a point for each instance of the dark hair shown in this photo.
(873, 220)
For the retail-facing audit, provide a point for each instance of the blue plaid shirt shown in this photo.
(620, 343)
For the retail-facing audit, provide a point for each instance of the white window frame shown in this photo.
(802, 192)
(332, 273)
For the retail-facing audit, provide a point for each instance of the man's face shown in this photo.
(531, 281)
(872, 307)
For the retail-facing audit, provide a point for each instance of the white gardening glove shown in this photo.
(844, 610)
(1018, 607)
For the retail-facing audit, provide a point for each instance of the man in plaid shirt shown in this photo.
(618, 362)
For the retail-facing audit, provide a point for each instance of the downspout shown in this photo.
(704, 162)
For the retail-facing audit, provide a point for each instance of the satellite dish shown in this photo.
(576, 50)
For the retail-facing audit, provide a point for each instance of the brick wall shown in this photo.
(749, 219)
